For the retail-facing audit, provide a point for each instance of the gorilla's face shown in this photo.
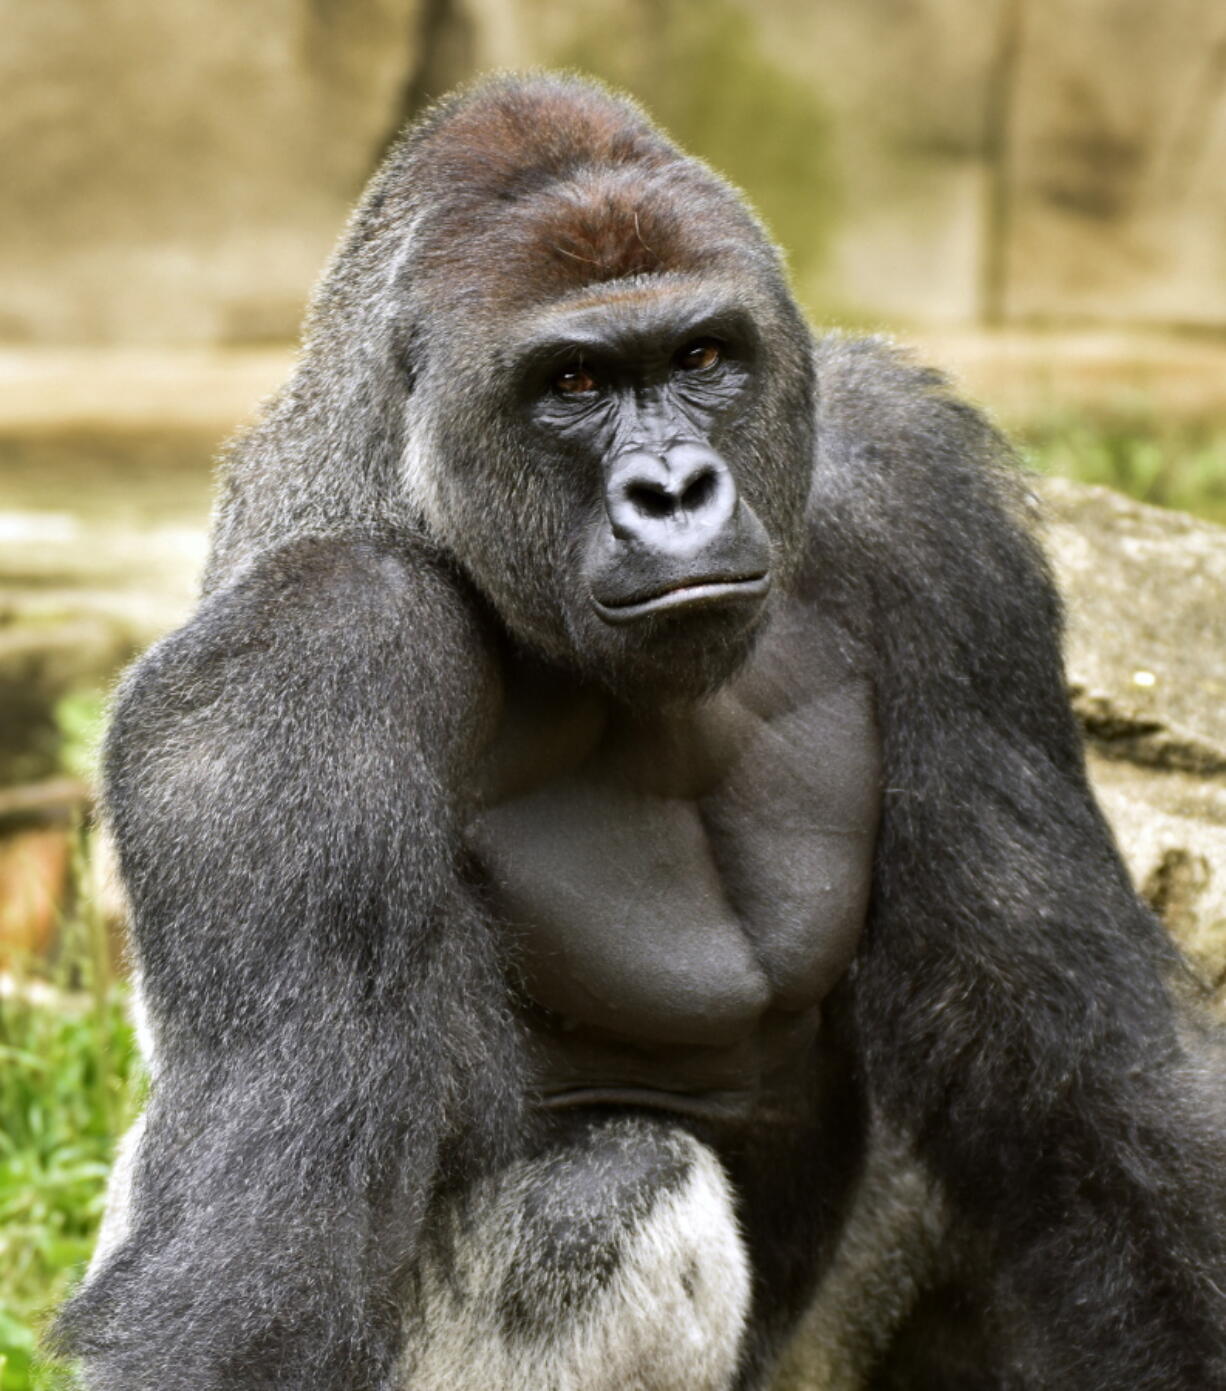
(613, 477)
(643, 395)
(612, 423)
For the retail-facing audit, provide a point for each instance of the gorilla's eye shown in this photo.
(703, 352)
(574, 380)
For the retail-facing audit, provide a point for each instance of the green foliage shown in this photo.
(69, 1083)
(1180, 465)
(700, 70)
(80, 718)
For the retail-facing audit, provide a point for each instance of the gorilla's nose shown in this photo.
(675, 500)
(679, 538)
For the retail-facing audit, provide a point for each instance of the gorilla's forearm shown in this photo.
(1014, 998)
(323, 994)
(1019, 1025)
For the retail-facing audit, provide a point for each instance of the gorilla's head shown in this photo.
(601, 386)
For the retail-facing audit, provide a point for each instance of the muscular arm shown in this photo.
(324, 995)
(1013, 995)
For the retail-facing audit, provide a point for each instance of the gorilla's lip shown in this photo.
(711, 1105)
(685, 594)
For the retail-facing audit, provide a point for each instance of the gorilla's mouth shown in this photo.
(708, 1106)
(690, 594)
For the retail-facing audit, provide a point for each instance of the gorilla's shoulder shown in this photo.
(335, 579)
(897, 433)
(367, 610)
(873, 362)
(929, 493)
(872, 390)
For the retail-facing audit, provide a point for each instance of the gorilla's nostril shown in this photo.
(651, 500)
(700, 491)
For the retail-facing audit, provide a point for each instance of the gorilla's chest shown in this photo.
(691, 878)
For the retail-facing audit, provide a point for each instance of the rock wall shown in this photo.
(176, 173)
(1146, 593)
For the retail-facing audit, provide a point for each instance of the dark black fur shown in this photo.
(284, 781)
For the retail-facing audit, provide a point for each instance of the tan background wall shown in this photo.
(175, 172)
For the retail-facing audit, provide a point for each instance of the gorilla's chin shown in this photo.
(678, 652)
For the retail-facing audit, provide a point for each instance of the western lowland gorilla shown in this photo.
(611, 865)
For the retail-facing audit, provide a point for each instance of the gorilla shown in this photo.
(612, 871)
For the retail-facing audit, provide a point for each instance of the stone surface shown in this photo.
(1146, 646)
(1146, 596)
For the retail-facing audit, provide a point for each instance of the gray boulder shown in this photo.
(1146, 596)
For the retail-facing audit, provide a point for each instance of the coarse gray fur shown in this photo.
(626, 1236)
(339, 1164)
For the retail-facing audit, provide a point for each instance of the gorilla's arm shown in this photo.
(325, 997)
(1013, 995)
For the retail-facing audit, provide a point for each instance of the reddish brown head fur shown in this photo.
(562, 185)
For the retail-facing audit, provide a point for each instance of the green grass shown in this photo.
(1180, 464)
(69, 1084)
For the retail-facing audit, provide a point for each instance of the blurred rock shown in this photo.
(1146, 596)
(44, 658)
(101, 540)
(1118, 143)
(34, 867)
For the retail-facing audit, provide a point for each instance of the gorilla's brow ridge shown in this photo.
(591, 319)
